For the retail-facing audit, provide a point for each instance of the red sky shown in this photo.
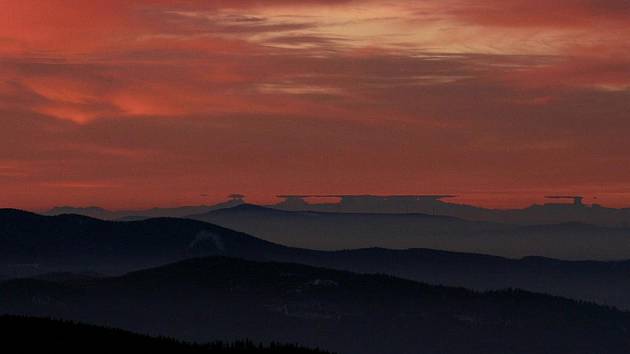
(129, 104)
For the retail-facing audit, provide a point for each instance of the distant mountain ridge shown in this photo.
(105, 214)
(173, 212)
(341, 311)
(334, 231)
(551, 213)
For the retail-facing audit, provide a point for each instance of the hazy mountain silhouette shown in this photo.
(37, 335)
(31, 245)
(104, 214)
(550, 213)
(601, 282)
(333, 231)
(221, 298)
(131, 215)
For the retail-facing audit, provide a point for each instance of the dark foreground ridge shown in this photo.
(218, 298)
(37, 335)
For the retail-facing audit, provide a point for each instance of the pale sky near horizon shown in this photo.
(133, 104)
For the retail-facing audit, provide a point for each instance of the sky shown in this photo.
(131, 104)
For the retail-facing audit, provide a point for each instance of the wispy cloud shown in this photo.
(405, 93)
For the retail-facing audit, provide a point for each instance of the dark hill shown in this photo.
(36, 335)
(221, 298)
(67, 242)
(31, 245)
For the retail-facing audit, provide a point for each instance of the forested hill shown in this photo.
(37, 335)
(218, 298)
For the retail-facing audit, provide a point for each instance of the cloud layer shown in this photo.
(131, 104)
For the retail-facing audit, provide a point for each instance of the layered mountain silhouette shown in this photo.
(53, 248)
(334, 231)
(549, 213)
(222, 298)
(559, 209)
(37, 335)
(129, 215)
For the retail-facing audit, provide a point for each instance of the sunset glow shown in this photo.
(159, 103)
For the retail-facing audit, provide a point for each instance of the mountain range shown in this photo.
(537, 214)
(335, 231)
(50, 247)
(175, 212)
(219, 298)
(345, 230)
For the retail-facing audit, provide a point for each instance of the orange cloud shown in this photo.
(559, 13)
(152, 102)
